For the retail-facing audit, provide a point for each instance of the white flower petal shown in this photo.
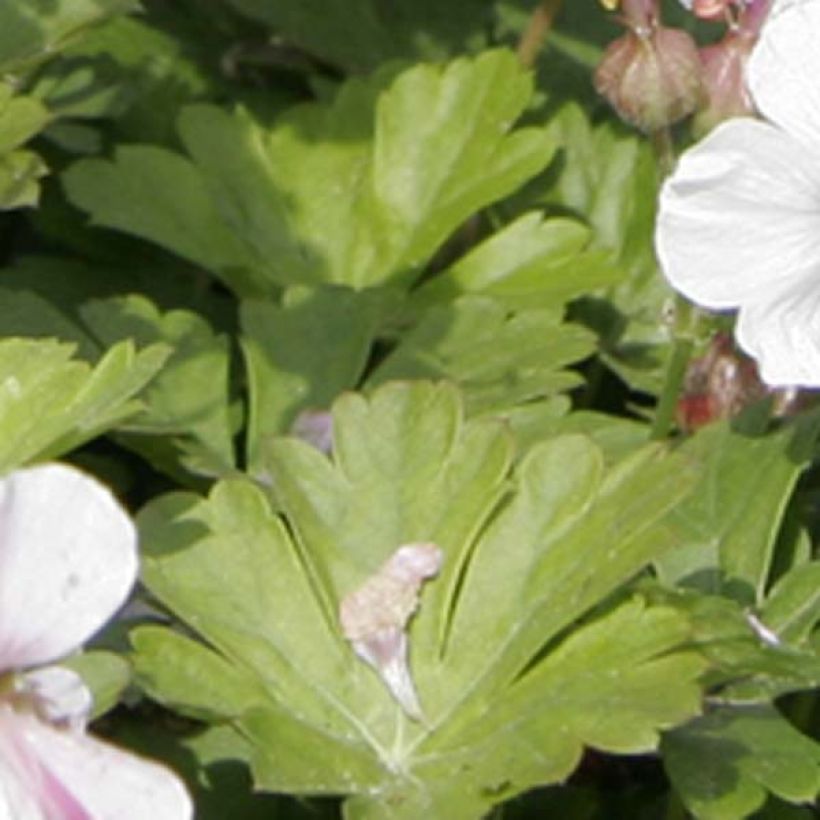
(72, 775)
(740, 215)
(784, 68)
(68, 559)
(59, 695)
(783, 334)
(19, 774)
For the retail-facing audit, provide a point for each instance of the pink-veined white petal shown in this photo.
(740, 216)
(68, 559)
(784, 68)
(57, 774)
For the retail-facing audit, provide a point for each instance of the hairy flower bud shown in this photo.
(724, 67)
(652, 74)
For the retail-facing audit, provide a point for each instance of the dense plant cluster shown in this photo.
(447, 505)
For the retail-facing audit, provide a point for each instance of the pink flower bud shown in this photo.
(724, 67)
(652, 74)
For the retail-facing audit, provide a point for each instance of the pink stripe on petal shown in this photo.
(58, 803)
(104, 782)
(29, 791)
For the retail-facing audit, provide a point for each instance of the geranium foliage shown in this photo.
(448, 505)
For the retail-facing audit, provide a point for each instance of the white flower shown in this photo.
(68, 559)
(739, 220)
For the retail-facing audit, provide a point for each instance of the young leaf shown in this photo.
(499, 359)
(529, 263)
(50, 404)
(189, 400)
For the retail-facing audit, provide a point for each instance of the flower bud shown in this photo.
(724, 66)
(652, 74)
(722, 383)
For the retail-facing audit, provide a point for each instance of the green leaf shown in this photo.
(302, 354)
(610, 685)
(139, 70)
(609, 177)
(158, 195)
(361, 34)
(33, 313)
(378, 190)
(793, 607)
(31, 30)
(529, 263)
(183, 674)
(189, 400)
(750, 662)
(724, 763)
(527, 555)
(50, 404)
(551, 555)
(20, 119)
(107, 675)
(736, 511)
(500, 359)
(19, 175)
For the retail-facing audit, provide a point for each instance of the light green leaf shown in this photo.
(498, 631)
(750, 663)
(529, 263)
(735, 513)
(20, 119)
(31, 30)
(610, 685)
(105, 674)
(378, 190)
(50, 403)
(500, 359)
(552, 554)
(189, 400)
(302, 354)
(793, 606)
(183, 674)
(19, 174)
(724, 763)
(609, 177)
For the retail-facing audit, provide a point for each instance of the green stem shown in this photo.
(685, 318)
(675, 374)
(664, 149)
(536, 31)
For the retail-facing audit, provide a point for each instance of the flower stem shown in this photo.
(664, 150)
(536, 31)
(683, 341)
(673, 381)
